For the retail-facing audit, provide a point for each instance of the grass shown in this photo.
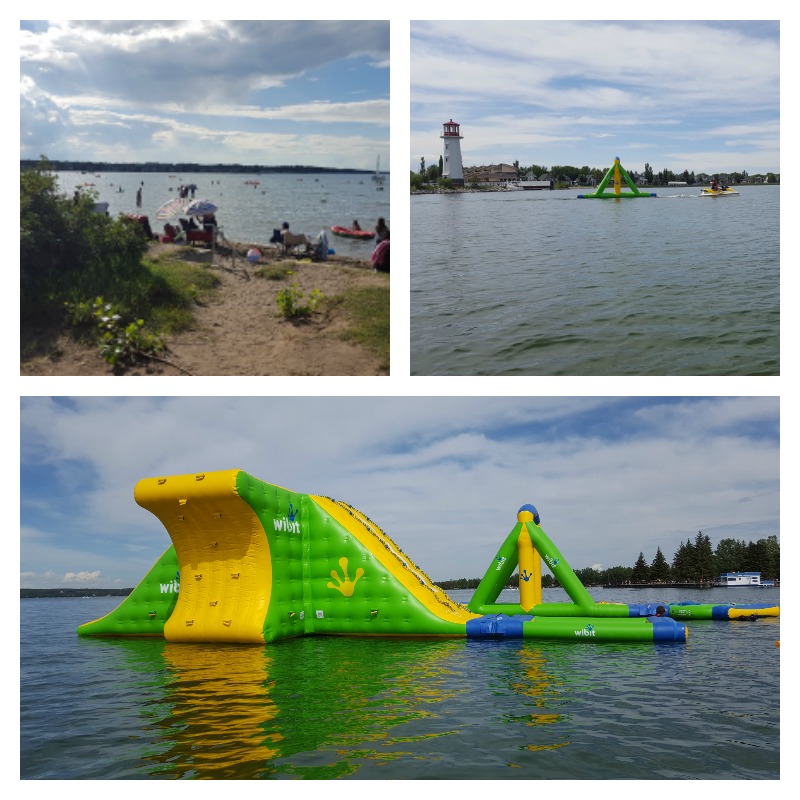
(176, 287)
(368, 310)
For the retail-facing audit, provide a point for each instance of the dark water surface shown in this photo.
(320, 708)
(544, 283)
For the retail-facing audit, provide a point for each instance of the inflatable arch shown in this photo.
(251, 562)
(617, 175)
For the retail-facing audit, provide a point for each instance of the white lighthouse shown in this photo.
(451, 159)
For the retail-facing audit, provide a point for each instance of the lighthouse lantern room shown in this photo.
(451, 158)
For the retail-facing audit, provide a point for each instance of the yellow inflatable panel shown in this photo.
(223, 557)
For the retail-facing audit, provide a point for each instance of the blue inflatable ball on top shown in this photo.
(532, 510)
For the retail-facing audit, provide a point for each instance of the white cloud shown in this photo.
(443, 476)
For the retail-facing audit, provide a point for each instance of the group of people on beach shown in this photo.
(380, 255)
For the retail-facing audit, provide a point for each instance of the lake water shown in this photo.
(544, 283)
(248, 213)
(359, 708)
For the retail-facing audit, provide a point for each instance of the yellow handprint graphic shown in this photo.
(346, 586)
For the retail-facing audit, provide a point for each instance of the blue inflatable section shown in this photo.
(496, 626)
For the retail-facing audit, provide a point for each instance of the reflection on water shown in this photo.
(219, 721)
(383, 708)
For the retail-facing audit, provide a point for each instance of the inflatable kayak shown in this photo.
(351, 233)
(718, 192)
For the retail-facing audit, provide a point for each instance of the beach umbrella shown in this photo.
(172, 208)
(198, 208)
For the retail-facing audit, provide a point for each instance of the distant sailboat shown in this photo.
(377, 177)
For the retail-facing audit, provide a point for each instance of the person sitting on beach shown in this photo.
(380, 255)
(381, 231)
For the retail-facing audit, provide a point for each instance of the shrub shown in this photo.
(290, 302)
(68, 252)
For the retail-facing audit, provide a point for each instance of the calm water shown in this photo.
(318, 708)
(248, 214)
(542, 283)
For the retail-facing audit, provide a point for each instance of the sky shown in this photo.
(208, 92)
(701, 96)
(443, 477)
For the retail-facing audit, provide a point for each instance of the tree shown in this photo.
(659, 569)
(683, 562)
(704, 559)
(641, 571)
(729, 556)
(617, 576)
(422, 166)
(589, 576)
(771, 568)
(648, 174)
(441, 167)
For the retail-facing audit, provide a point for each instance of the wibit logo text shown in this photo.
(288, 524)
(587, 631)
(553, 562)
(173, 587)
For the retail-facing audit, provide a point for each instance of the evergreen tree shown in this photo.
(641, 571)
(659, 569)
(683, 562)
(704, 559)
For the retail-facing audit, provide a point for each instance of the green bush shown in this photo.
(290, 302)
(69, 252)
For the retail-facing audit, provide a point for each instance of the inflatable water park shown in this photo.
(251, 562)
(615, 176)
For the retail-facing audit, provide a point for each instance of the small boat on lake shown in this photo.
(352, 233)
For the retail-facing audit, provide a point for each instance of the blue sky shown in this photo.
(443, 476)
(207, 92)
(702, 96)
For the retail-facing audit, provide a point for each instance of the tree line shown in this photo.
(693, 562)
(567, 175)
(178, 167)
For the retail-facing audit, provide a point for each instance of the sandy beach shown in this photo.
(240, 330)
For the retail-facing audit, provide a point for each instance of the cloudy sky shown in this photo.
(697, 96)
(208, 92)
(444, 477)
